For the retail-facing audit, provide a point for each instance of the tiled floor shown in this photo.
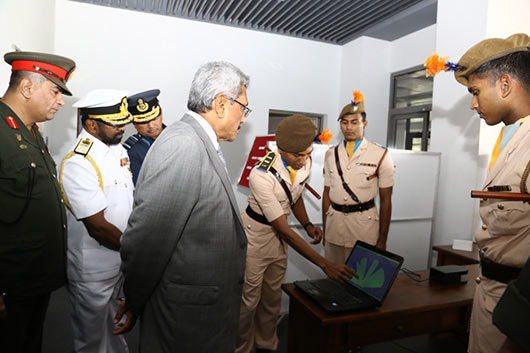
(57, 335)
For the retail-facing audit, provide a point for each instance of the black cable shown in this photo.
(410, 275)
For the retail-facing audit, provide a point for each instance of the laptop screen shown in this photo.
(376, 270)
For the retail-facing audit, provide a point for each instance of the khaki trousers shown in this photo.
(261, 302)
(336, 253)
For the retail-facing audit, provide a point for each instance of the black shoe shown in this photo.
(261, 350)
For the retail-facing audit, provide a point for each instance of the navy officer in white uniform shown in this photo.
(97, 186)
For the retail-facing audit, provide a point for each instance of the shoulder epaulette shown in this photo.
(378, 145)
(131, 141)
(83, 146)
(266, 163)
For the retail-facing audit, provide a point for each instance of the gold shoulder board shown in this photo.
(83, 146)
(266, 163)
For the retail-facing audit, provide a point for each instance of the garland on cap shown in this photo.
(357, 98)
(434, 64)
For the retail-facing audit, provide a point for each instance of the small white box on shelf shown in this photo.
(465, 245)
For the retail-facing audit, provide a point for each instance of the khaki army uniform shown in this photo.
(504, 237)
(344, 229)
(266, 255)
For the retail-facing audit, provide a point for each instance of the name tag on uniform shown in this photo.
(366, 164)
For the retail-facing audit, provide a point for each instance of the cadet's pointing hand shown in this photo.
(339, 272)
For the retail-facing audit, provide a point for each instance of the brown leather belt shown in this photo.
(353, 208)
(498, 272)
(256, 216)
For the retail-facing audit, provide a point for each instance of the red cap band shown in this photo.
(41, 68)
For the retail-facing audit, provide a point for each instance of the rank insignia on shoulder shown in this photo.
(11, 122)
(366, 164)
(266, 163)
(83, 146)
(124, 161)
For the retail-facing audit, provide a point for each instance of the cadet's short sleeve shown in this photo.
(262, 187)
(386, 172)
(327, 175)
(81, 187)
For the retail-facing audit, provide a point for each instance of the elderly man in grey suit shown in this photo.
(184, 248)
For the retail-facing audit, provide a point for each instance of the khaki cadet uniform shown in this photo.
(343, 229)
(95, 177)
(32, 215)
(266, 254)
(504, 238)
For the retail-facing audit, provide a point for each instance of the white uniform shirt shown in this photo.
(87, 259)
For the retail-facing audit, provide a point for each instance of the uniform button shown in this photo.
(54, 176)
(64, 226)
(115, 182)
(478, 279)
(484, 200)
(500, 206)
(348, 168)
(62, 201)
(249, 226)
(345, 199)
(365, 173)
(347, 182)
(42, 151)
(370, 217)
(33, 165)
(331, 170)
(484, 227)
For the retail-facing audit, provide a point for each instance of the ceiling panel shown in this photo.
(330, 21)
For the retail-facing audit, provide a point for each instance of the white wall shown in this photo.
(28, 24)
(130, 50)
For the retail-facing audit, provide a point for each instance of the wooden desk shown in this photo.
(448, 256)
(411, 308)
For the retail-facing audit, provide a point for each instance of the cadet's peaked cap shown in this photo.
(352, 109)
(55, 68)
(106, 105)
(488, 50)
(144, 106)
(295, 133)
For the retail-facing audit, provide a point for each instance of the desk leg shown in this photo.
(307, 335)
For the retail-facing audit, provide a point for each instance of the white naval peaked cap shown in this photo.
(102, 97)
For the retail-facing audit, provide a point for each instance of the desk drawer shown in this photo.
(366, 332)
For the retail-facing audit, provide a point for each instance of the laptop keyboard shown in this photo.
(336, 291)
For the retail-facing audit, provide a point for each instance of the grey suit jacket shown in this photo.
(184, 248)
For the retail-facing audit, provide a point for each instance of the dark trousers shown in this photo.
(21, 332)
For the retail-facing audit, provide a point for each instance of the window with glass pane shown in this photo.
(411, 103)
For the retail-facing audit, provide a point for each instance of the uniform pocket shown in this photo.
(185, 294)
(512, 219)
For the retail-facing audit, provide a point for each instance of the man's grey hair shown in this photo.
(213, 79)
(19, 75)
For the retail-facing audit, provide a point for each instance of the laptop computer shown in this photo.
(377, 270)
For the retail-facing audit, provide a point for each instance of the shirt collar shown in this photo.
(206, 127)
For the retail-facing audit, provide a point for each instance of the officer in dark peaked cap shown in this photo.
(147, 119)
(32, 214)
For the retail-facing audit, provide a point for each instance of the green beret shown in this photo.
(55, 68)
(295, 133)
(488, 50)
(352, 109)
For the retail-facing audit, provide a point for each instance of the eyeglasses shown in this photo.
(246, 110)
